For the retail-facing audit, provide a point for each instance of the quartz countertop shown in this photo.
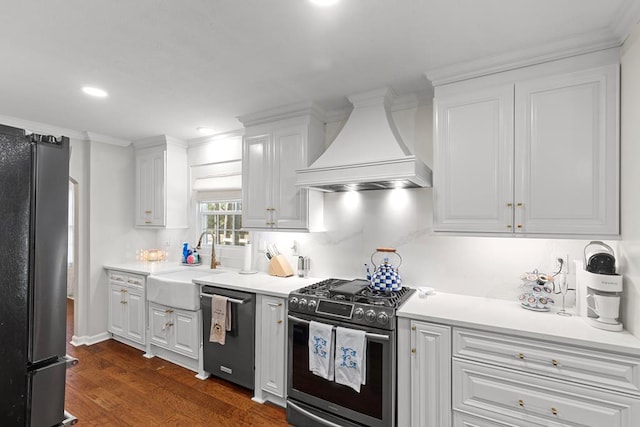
(507, 317)
(260, 283)
(147, 268)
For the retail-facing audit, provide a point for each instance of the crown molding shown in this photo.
(42, 128)
(283, 113)
(572, 46)
(96, 137)
(237, 133)
(158, 140)
(625, 21)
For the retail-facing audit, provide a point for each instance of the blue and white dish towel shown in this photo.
(321, 349)
(350, 362)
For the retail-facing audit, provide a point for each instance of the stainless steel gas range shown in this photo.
(315, 401)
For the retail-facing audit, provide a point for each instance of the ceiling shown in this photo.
(171, 66)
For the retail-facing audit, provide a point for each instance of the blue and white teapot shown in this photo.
(385, 276)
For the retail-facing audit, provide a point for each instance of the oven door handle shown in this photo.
(312, 415)
(367, 334)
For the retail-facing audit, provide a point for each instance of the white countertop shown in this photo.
(260, 283)
(146, 268)
(495, 315)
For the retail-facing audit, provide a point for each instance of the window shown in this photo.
(224, 220)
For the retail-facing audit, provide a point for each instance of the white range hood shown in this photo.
(367, 154)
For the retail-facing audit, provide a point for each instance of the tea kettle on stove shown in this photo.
(385, 276)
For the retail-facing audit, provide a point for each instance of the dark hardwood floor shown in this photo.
(114, 385)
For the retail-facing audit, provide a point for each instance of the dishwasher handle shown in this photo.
(231, 300)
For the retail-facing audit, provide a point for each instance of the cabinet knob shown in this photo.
(519, 226)
(413, 328)
(520, 204)
(521, 402)
(279, 304)
(554, 411)
(147, 222)
(509, 226)
(413, 350)
(270, 223)
(279, 322)
(554, 362)
(168, 311)
(147, 212)
(521, 356)
(271, 209)
(509, 205)
(123, 302)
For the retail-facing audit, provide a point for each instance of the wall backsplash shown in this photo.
(357, 223)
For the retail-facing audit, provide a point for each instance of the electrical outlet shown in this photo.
(559, 263)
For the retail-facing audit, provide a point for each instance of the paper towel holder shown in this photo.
(247, 261)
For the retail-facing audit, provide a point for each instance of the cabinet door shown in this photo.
(473, 161)
(430, 375)
(567, 155)
(290, 202)
(116, 310)
(150, 187)
(135, 312)
(257, 208)
(273, 346)
(186, 332)
(159, 325)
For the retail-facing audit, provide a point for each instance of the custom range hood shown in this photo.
(367, 154)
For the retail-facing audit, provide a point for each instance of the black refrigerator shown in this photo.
(34, 192)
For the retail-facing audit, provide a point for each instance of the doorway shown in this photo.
(72, 246)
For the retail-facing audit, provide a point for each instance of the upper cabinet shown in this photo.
(537, 155)
(161, 182)
(273, 149)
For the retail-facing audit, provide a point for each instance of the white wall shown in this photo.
(112, 235)
(630, 192)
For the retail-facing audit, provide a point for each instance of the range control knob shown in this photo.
(383, 318)
(302, 304)
(358, 313)
(312, 305)
(370, 315)
(293, 302)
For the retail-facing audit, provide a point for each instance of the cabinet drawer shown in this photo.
(512, 396)
(461, 419)
(117, 277)
(610, 370)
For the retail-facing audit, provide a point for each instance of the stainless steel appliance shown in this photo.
(314, 401)
(34, 180)
(235, 360)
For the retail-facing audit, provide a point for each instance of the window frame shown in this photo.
(203, 217)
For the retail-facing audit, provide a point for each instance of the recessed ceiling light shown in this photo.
(205, 130)
(94, 91)
(324, 2)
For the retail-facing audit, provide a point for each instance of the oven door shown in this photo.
(313, 400)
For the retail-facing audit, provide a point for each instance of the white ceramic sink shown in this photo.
(176, 289)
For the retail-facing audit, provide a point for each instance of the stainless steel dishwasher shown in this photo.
(235, 360)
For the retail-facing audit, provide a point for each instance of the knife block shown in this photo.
(278, 266)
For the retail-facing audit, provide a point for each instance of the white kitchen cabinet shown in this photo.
(174, 329)
(271, 350)
(506, 380)
(272, 152)
(532, 156)
(430, 375)
(161, 183)
(127, 312)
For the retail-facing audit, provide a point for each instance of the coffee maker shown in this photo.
(599, 288)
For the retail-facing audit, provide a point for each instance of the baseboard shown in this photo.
(89, 340)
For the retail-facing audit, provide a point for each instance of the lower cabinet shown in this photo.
(127, 307)
(430, 375)
(467, 377)
(271, 350)
(174, 329)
